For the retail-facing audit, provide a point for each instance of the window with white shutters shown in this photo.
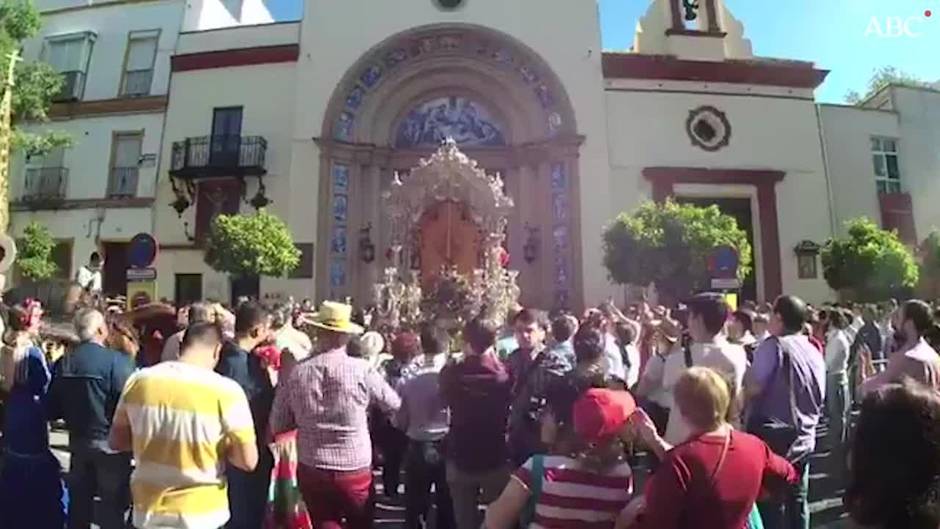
(69, 55)
(125, 165)
(138, 66)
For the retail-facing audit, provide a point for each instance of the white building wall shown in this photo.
(770, 133)
(262, 91)
(564, 33)
(846, 133)
(88, 159)
(85, 228)
(919, 111)
(111, 24)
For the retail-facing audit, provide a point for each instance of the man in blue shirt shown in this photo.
(248, 491)
(85, 390)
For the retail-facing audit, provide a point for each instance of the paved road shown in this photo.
(825, 490)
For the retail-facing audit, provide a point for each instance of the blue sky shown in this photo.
(831, 33)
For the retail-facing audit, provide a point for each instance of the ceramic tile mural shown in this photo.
(450, 43)
(339, 238)
(561, 231)
(466, 121)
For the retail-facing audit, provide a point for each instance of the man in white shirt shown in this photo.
(707, 348)
(89, 275)
(286, 337)
(838, 345)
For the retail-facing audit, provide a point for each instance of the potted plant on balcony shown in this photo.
(249, 246)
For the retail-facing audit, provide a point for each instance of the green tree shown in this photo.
(36, 83)
(259, 244)
(869, 263)
(669, 244)
(882, 77)
(34, 253)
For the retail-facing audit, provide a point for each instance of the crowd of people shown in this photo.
(279, 417)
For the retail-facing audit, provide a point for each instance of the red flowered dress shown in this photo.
(286, 509)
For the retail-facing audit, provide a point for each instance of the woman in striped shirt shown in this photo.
(586, 482)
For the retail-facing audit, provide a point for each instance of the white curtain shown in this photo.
(140, 53)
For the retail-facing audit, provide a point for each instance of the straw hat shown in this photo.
(333, 316)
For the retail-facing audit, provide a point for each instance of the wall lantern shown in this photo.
(806, 253)
(366, 246)
(260, 201)
(530, 250)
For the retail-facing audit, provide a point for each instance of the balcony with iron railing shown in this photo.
(137, 83)
(218, 156)
(122, 182)
(73, 87)
(45, 185)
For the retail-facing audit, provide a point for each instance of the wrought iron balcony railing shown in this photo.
(45, 184)
(218, 156)
(122, 182)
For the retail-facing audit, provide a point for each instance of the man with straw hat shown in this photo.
(326, 399)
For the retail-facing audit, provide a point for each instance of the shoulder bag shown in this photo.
(535, 490)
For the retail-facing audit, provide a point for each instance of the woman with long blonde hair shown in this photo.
(32, 494)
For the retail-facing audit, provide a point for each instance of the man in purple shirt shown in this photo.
(786, 387)
(478, 391)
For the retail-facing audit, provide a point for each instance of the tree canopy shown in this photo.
(35, 83)
(882, 77)
(869, 263)
(34, 253)
(669, 244)
(259, 244)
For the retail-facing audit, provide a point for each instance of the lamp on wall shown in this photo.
(530, 250)
(260, 200)
(366, 246)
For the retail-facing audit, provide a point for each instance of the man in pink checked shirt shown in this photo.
(325, 399)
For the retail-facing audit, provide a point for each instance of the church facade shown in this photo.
(317, 119)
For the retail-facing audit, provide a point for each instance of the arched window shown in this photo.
(467, 122)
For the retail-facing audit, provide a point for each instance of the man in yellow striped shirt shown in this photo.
(183, 421)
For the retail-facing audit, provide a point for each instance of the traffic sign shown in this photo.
(726, 284)
(142, 251)
(141, 274)
(723, 263)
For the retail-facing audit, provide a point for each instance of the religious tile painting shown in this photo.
(469, 123)
(339, 237)
(561, 234)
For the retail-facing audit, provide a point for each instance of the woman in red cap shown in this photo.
(712, 480)
(586, 482)
(391, 441)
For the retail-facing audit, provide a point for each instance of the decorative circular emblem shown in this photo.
(708, 128)
(449, 4)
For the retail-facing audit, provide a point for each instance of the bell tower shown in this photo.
(702, 30)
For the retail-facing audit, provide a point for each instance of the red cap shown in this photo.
(601, 413)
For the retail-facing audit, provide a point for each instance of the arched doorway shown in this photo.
(503, 106)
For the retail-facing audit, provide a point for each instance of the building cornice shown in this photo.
(104, 107)
(235, 57)
(83, 203)
(767, 73)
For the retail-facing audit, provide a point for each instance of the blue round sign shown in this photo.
(724, 262)
(142, 251)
